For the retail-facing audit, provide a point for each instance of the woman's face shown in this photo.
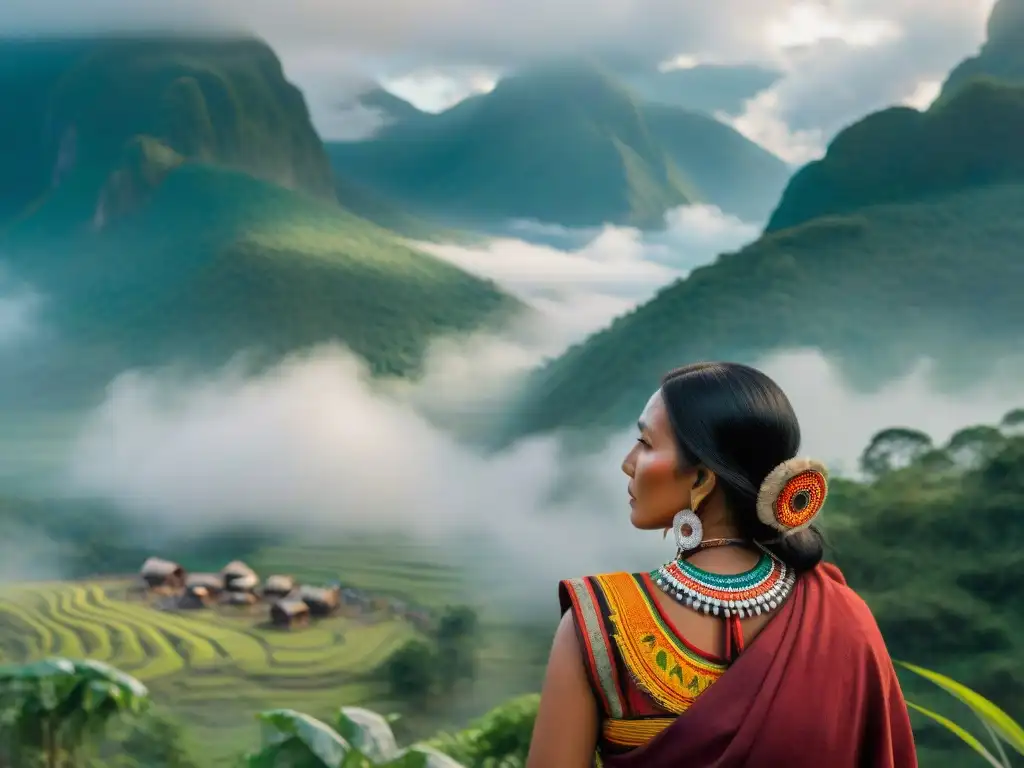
(657, 488)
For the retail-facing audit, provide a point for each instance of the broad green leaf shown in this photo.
(422, 756)
(955, 729)
(368, 732)
(1004, 726)
(282, 724)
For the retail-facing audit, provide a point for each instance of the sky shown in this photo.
(841, 58)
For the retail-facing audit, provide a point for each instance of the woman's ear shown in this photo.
(703, 484)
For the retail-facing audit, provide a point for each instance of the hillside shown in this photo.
(566, 144)
(707, 88)
(1002, 56)
(967, 140)
(967, 137)
(219, 262)
(946, 274)
(82, 101)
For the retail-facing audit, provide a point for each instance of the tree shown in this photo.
(411, 670)
(972, 446)
(893, 449)
(49, 709)
(1013, 422)
(456, 636)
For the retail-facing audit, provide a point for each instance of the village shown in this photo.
(289, 604)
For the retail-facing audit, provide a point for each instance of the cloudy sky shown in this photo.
(842, 58)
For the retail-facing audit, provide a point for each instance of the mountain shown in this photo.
(82, 101)
(967, 137)
(876, 291)
(391, 107)
(707, 88)
(218, 262)
(1002, 56)
(170, 202)
(567, 144)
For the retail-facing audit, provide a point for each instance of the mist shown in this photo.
(316, 446)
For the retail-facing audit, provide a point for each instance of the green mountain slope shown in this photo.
(392, 108)
(218, 262)
(81, 101)
(967, 140)
(1002, 56)
(707, 88)
(566, 144)
(875, 291)
(968, 137)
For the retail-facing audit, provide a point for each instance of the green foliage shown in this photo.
(294, 740)
(500, 739)
(839, 285)
(50, 708)
(964, 141)
(218, 263)
(893, 448)
(564, 143)
(998, 725)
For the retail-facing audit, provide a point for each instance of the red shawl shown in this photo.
(815, 689)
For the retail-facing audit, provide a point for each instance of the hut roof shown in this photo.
(155, 566)
(243, 583)
(290, 608)
(319, 594)
(237, 568)
(279, 583)
(208, 580)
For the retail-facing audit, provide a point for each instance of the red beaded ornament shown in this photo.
(792, 495)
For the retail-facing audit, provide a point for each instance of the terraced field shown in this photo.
(213, 667)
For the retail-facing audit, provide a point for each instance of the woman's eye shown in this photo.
(641, 441)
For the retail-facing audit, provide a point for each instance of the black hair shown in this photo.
(738, 423)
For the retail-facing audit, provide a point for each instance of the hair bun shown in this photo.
(792, 495)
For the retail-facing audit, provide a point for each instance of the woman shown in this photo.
(746, 649)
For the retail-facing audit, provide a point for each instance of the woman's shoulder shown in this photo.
(851, 616)
(590, 593)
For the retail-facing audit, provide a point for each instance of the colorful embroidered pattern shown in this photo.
(635, 732)
(597, 645)
(801, 499)
(672, 674)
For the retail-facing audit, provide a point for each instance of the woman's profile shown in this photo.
(745, 649)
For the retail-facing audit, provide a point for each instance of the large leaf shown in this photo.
(964, 735)
(421, 756)
(280, 725)
(1004, 726)
(368, 732)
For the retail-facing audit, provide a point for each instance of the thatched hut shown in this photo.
(194, 598)
(238, 598)
(213, 583)
(321, 602)
(278, 586)
(239, 577)
(158, 573)
(289, 614)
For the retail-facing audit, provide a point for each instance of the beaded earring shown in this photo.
(792, 495)
(687, 529)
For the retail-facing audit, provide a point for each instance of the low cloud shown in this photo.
(19, 312)
(313, 446)
(317, 446)
(598, 273)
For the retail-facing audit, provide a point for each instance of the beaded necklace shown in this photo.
(760, 590)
